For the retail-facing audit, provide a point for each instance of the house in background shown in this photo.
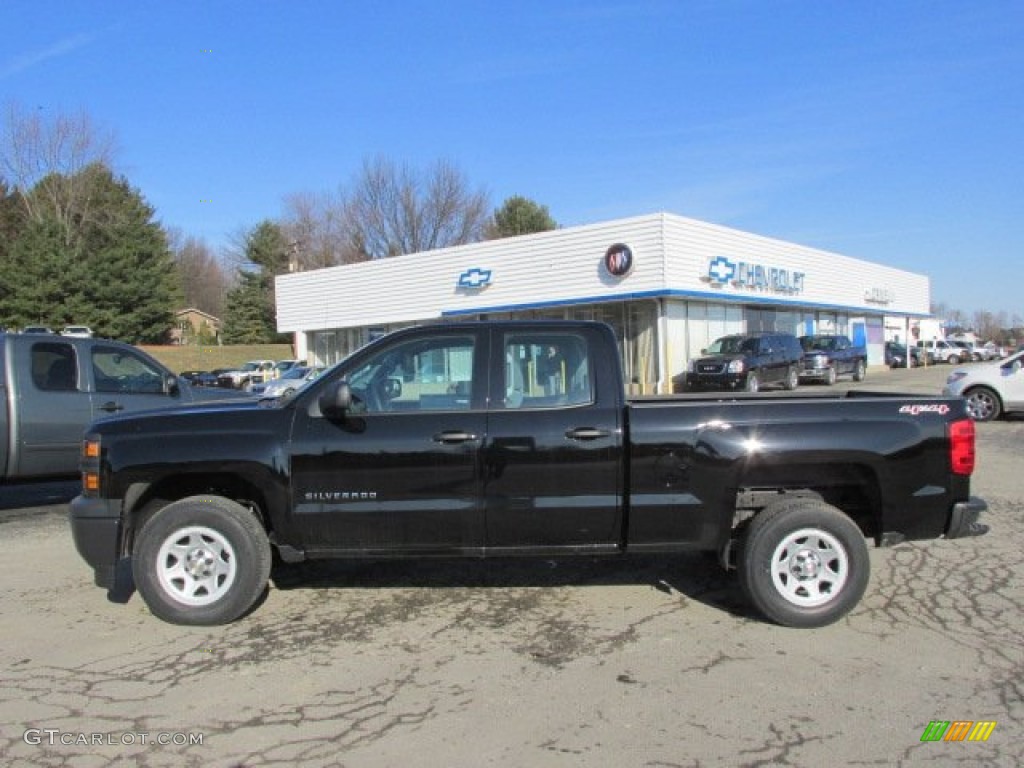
(193, 326)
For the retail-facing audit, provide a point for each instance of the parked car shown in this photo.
(828, 356)
(896, 355)
(79, 331)
(747, 361)
(192, 377)
(991, 389)
(252, 372)
(281, 366)
(37, 329)
(291, 380)
(940, 350)
(970, 352)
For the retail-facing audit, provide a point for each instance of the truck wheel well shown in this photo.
(859, 501)
(169, 490)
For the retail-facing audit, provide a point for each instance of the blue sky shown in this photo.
(887, 131)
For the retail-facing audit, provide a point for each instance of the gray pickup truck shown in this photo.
(52, 386)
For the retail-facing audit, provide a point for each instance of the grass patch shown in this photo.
(196, 358)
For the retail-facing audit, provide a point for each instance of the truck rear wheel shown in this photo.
(803, 563)
(202, 560)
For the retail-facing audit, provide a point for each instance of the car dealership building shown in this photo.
(668, 285)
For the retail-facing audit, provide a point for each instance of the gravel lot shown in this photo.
(632, 662)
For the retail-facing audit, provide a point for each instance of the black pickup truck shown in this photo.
(482, 439)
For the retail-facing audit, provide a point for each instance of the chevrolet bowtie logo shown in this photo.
(721, 270)
(475, 278)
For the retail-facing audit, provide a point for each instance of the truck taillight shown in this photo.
(961, 447)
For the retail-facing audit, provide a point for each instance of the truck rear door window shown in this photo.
(54, 367)
(546, 370)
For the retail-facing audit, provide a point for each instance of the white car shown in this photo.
(252, 372)
(292, 379)
(991, 389)
(78, 331)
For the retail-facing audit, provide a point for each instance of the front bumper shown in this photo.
(96, 530)
(722, 381)
(963, 520)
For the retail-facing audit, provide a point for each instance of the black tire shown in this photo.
(953, 360)
(803, 563)
(859, 371)
(983, 404)
(831, 376)
(203, 560)
(753, 382)
(792, 378)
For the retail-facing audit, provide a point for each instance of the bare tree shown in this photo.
(316, 229)
(204, 284)
(393, 210)
(47, 160)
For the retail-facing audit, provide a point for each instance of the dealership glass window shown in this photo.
(707, 322)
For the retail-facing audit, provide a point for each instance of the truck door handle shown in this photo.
(586, 433)
(111, 407)
(450, 437)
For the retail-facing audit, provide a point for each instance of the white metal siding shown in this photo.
(671, 254)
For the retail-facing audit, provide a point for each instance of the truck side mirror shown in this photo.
(171, 386)
(336, 399)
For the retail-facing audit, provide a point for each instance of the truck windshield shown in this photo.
(732, 345)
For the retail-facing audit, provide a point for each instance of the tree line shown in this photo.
(80, 245)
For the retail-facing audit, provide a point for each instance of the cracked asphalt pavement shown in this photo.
(651, 661)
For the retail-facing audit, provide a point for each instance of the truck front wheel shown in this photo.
(804, 563)
(202, 560)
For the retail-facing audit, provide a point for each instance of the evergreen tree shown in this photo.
(111, 270)
(251, 316)
(519, 216)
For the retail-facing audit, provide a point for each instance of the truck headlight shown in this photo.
(737, 366)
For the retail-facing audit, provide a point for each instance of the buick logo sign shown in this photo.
(618, 260)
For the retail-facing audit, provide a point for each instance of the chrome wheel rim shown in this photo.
(810, 567)
(196, 565)
(980, 406)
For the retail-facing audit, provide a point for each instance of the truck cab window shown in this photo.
(54, 367)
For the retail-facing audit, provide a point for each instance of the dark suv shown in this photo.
(747, 361)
